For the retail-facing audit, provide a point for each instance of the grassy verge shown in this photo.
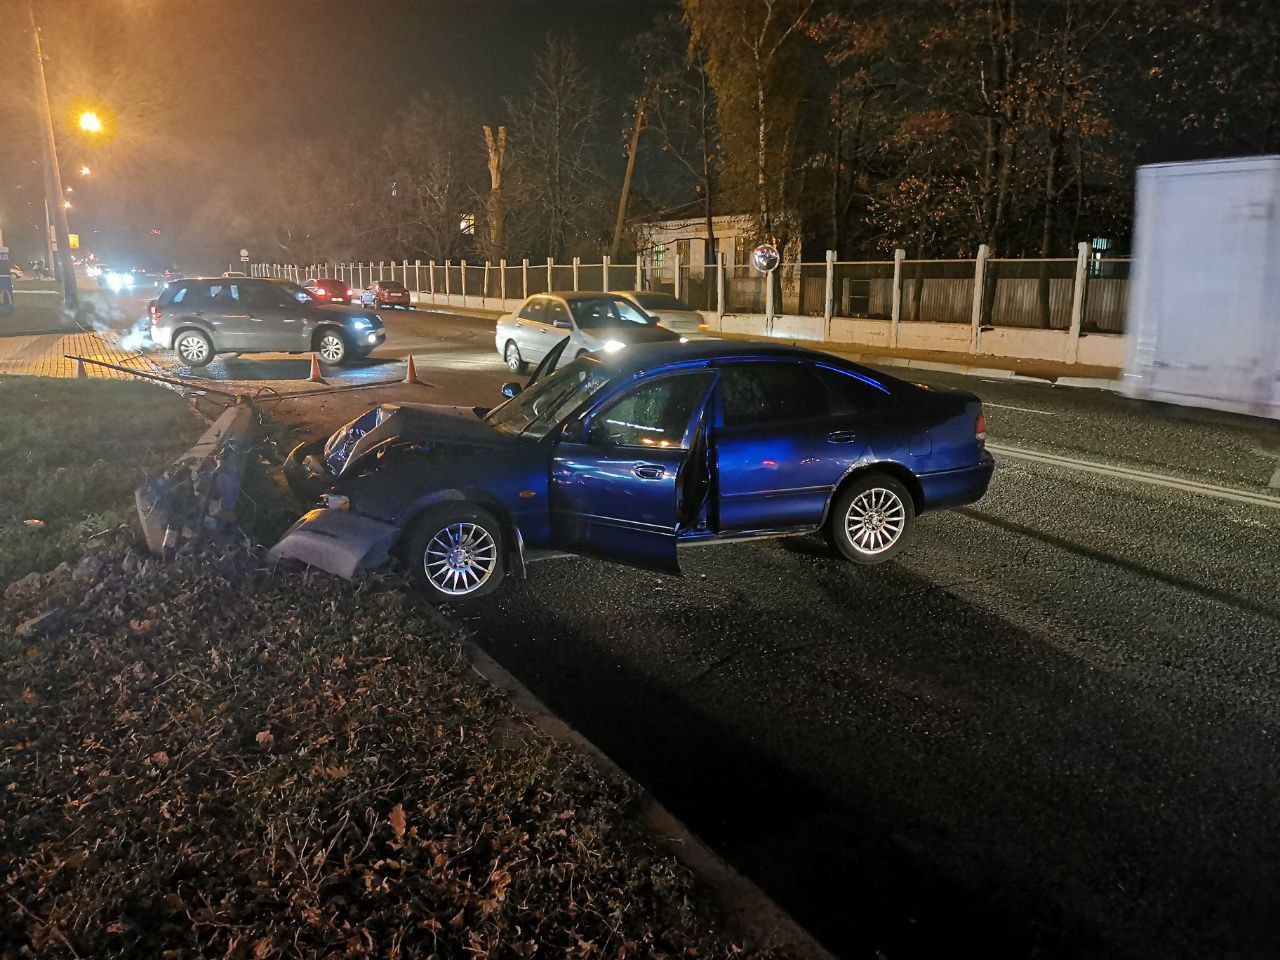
(71, 454)
(218, 758)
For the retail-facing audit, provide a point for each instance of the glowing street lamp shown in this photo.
(85, 171)
(90, 122)
(66, 204)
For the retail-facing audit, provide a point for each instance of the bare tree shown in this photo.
(557, 184)
(496, 147)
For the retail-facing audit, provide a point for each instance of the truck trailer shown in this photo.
(1204, 307)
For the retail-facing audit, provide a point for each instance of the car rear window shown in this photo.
(392, 285)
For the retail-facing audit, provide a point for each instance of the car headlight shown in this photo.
(613, 346)
(360, 323)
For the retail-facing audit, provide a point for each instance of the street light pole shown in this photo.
(53, 176)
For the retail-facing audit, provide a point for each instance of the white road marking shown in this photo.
(1141, 476)
(1007, 406)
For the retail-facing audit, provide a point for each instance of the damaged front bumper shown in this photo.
(338, 541)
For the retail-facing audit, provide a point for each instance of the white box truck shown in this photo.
(1204, 306)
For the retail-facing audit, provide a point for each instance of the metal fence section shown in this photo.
(622, 276)
(862, 289)
(937, 291)
(1033, 295)
(744, 290)
(1029, 293)
(1106, 296)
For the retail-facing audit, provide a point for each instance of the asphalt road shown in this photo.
(1050, 729)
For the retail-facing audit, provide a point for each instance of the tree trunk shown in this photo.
(497, 147)
(626, 182)
(762, 157)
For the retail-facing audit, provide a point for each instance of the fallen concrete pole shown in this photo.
(198, 494)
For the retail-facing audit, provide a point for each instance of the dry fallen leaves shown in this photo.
(396, 819)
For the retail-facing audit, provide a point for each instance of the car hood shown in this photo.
(632, 333)
(420, 425)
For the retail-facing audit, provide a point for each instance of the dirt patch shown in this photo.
(214, 757)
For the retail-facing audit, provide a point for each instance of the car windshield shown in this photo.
(537, 410)
(659, 301)
(596, 312)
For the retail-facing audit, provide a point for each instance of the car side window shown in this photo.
(847, 394)
(653, 414)
(630, 313)
(557, 313)
(533, 310)
(753, 393)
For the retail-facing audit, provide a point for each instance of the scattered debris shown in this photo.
(41, 625)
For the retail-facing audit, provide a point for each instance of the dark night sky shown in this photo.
(193, 75)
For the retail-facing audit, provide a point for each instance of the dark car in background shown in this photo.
(628, 455)
(386, 294)
(200, 317)
(329, 289)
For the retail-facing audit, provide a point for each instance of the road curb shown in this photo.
(749, 910)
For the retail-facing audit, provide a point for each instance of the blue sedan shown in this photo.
(628, 456)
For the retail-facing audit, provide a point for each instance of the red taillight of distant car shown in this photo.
(980, 428)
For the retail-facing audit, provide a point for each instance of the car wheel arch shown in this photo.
(188, 326)
(327, 327)
(889, 467)
(514, 540)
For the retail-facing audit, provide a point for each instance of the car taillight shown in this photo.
(980, 428)
(351, 293)
(155, 313)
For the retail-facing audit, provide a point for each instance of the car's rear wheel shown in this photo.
(871, 520)
(455, 552)
(332, 348)
(193, 347)
(515, 362)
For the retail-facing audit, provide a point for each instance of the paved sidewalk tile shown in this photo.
(45, 355)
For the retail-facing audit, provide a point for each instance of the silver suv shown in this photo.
(200, 317)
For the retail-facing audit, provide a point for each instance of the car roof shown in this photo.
(574, 294)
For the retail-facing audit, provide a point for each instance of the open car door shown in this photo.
(620, 483)
(548, 363)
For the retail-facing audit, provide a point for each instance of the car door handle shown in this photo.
(649, 471)
(841, 436)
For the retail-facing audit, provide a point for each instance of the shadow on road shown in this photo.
(904, 772)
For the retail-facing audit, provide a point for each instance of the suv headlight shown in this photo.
(361, 323)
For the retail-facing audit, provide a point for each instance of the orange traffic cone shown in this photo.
(411, 372)
(81, 372)
(315, 370)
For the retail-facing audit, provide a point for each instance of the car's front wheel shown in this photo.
(332, 348)
(515, 362)
(871, 519)
(455, 552)
(193, 347)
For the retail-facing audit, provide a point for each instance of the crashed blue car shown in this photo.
(629, 456)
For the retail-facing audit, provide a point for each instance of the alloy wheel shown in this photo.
(513, 358)
(193, 348)
(331, 348)
(875, 520)
(460, 558)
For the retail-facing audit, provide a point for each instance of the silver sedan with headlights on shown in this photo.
(591, 321)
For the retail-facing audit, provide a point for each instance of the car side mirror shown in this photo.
(562, 324)
(510, 389)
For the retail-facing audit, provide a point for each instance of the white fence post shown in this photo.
(895, 297)
(604, 281)
(404, 273)
(719, 289)
(577, 262)
(1077, 301)
(463, 273)
(417, 276)
(524, 278)
(829, 293)
(447, 291)
(550, 264)
(675, 261)
(979, 289)
(639, 273)
(768, 302)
